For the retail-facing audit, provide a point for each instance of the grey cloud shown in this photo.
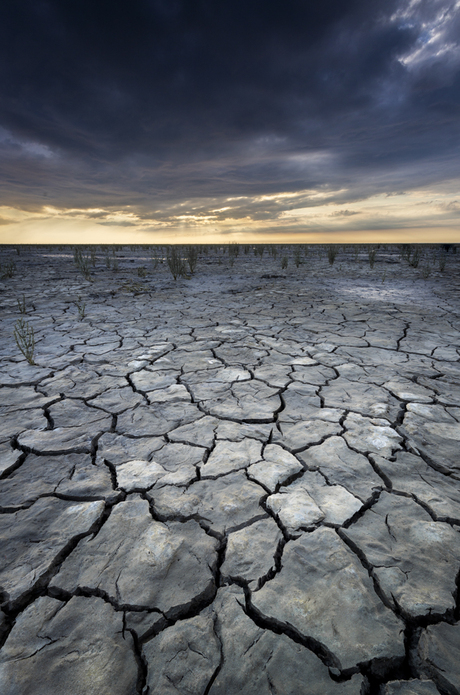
(151, 102)
(345, 213)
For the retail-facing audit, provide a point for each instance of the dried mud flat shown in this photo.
(243, 483)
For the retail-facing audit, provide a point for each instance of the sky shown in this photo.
(214, 121)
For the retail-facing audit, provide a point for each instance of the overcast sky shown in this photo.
(157, 120)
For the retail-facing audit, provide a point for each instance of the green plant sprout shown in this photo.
(25, 339)
(134, 287)
(81, 308)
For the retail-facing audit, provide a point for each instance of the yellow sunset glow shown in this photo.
(309, 216)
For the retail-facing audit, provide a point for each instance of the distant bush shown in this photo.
(332, 251)
(175, 263)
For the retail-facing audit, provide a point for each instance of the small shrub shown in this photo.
(8, 269)
(405, 251)
(25, 339)
(134, 287)
(284, 262)
(426, 272)
(410, 253)
(372, 252)
(192, 258)
(175, 263)
(414, 259)
(142, 273)
(82, 262)
(331, 253)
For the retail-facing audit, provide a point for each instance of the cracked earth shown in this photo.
(246, 483)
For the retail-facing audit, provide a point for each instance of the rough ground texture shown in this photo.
(242, 483)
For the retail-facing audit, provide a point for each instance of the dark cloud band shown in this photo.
(150, 100)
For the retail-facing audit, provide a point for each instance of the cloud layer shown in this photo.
(173, 107)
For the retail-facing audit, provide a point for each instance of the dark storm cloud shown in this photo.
(129, 102)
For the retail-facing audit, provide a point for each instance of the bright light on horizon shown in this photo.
(309, 216)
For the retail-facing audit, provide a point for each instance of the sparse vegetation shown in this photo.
(142, 272)
(25, 339)
(411, 253)
(331, 253)
(8, 269)
(192, 258)
(134, 287)
(414, 258)
(81, 308)
(284, 262)
(175, 263)
(82, 262)
(372, 252)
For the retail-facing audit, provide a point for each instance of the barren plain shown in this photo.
(242, 482)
